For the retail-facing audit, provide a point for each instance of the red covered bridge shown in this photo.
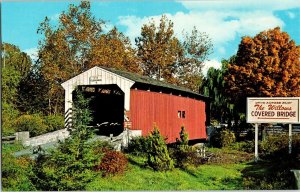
(138, 102)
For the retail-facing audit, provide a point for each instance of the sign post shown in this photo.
(290, 138)
(256, 142)
(273, 110)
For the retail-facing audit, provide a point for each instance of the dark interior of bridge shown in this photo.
(107, 107)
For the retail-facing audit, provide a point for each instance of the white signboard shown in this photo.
(273, 110)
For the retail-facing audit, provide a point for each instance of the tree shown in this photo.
(15, 67)
(266, 65)
(24, 87)
(13, 57)
(184, 137)
(10, 82)
(197, 46)
(77, 44)
(157, 152)
(114, 50)
(159, 50)
(214, 86)
(164, 56)
(32, 93)
(70, 165)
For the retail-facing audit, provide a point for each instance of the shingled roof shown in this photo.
(150, 81)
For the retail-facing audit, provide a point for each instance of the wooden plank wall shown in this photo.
(149, 108)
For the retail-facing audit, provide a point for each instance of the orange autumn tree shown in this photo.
(266, 65)
(77, 43)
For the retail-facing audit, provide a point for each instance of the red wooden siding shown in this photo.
(147, 108)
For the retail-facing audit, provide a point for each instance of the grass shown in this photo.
(227, 172)
(11, 148)
(212, 177)
(272, 174)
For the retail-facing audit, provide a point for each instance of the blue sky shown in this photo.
(224, 21)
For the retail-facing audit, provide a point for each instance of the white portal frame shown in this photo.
(95, 76)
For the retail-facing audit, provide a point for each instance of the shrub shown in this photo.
(113, 163)
(15, 174)
(185, 158)
(70, 165)
(9, 114)
(245, 146)
(227, 138)
(215, 139)
(138, 146)
(183, 154)
(222, 138)
(184, 137)
(101, 147)
(158, 155)
(54, 122)
(32, 123)
(279, 181)
(277, 145)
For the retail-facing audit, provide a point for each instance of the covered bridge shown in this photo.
(121, 100)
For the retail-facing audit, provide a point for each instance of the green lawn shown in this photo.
(212, 177)
(225, 173)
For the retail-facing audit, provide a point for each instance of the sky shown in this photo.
(225, 21)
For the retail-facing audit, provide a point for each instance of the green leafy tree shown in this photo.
(13, 57)
(158, 155)
(214, 86)
(164, 56)
(24, 88)
(32, 93)
(9, 114)
(15, 66)
(10, 82)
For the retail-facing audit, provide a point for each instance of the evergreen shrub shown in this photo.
(70, 165)
(158, 155)
(138, 146)
(183, 154)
